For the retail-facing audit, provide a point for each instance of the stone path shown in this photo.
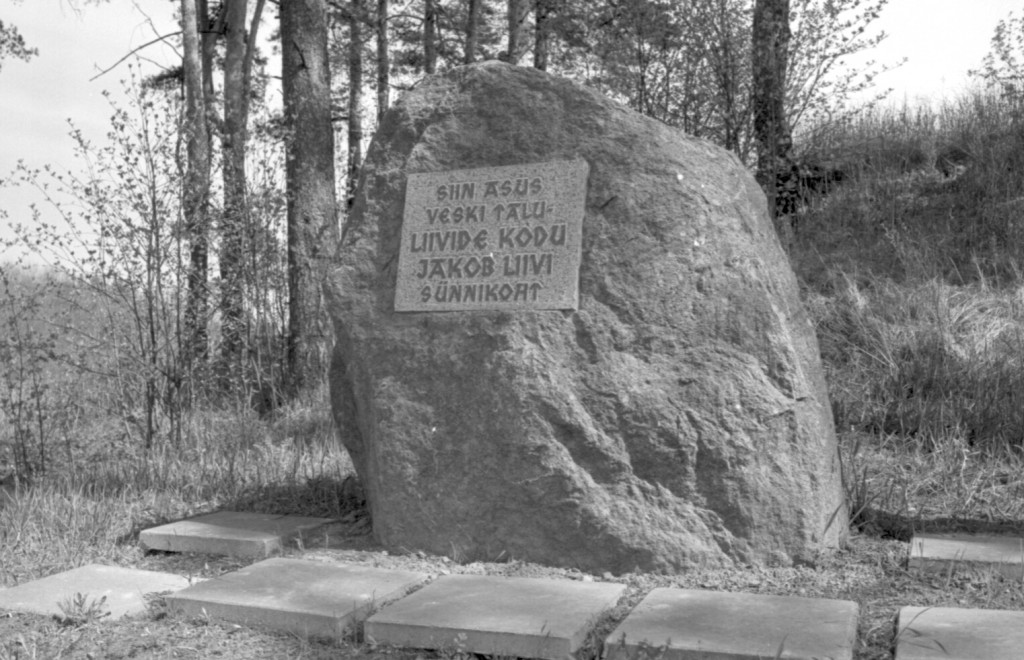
(940, 552)
(686, 623)
(504, 616)
(523, 617)
(948, 633)
(114, 590)
(311, 598)
(229, 533)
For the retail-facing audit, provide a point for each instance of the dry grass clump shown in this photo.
(93, 512)
(880, 139)
(926, 361)
(895, 488)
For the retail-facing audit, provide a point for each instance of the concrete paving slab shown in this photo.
(678, 624)
(943, 552)
(256, 535)
(308, 598)
(493, 615)
(124, 590)
(950, 633)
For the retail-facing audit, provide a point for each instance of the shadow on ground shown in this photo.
(886, 525)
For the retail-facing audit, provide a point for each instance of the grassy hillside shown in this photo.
(912, 268)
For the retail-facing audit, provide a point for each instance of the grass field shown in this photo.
(912, 267)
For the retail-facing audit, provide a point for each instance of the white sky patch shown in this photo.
(39, 96)
(941, 39)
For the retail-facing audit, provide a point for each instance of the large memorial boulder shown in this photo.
(567, 333)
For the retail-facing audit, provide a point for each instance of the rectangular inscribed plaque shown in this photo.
(493, 238)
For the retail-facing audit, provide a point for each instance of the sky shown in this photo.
(76, 40)
(37, 97)
(941, 39)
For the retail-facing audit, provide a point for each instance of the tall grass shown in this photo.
(912, 269)
(93, 512)
(929, 191)
(926, 360)
(82, 473)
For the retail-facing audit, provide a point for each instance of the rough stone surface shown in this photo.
(943, 552)
(952, 633)
(122, 591)
(678, 417)
(308, 598)
(496, 616)
(239, 534)
(680, 624)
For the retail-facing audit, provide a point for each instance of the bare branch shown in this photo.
(133, 51)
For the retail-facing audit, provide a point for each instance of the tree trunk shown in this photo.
(196, 184)
(383, 61)
(233, 221)
(541, 34)
(355, 101)
(309, 173)
(725, 63)
(429, 36)
(472, 21)
(517, 10)
(775, 169)
(209, 30)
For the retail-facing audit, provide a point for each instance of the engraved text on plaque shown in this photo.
(492, 238)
